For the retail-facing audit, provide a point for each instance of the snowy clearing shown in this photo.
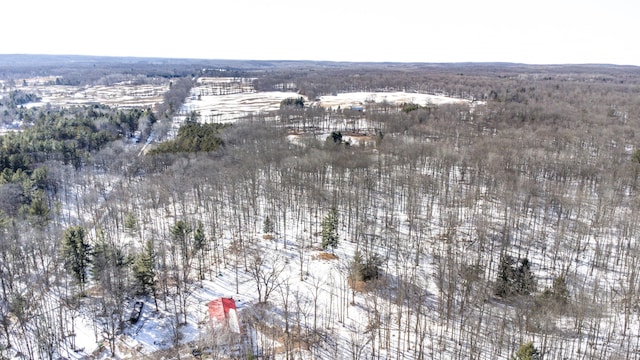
(123, 94)
(346, 100)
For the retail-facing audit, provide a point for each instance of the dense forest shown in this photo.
(500, 228)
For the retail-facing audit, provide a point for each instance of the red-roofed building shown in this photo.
(223, 315)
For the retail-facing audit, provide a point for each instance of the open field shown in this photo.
(225, 100)
(124, 95)
(229, 99)
(347, 100)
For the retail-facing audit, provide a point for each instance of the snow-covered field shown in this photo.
(231, 107)
(229, 99)
(122, 94)
(225, 100)
(347, 100)
(215, 99)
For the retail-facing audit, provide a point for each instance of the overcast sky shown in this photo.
(533, 32)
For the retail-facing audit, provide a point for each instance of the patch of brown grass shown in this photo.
(358, 285)
(325, 256)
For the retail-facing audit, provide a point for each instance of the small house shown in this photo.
(223, 315)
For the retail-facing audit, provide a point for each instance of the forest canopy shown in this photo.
(193, 137)
(500, 225)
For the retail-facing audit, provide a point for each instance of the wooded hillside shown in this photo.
(502, 227)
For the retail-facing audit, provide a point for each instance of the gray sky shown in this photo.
(534, 32)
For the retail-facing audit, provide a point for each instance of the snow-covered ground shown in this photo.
(225, 100)
(314, 287)
(231, 107)
(122, 94)
(229, 99)
(347, 100)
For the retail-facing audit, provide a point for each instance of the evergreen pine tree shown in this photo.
(267, 226)
(525, 283)
(365, 269)
(76, 253)
(504, 284)
(199, 244)
(199, 238)
(100, 256)
(144, 268)
(130, 223)
(514, 277)
(181, 232)
(330, 230)
(527, 352)
(560, 290)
